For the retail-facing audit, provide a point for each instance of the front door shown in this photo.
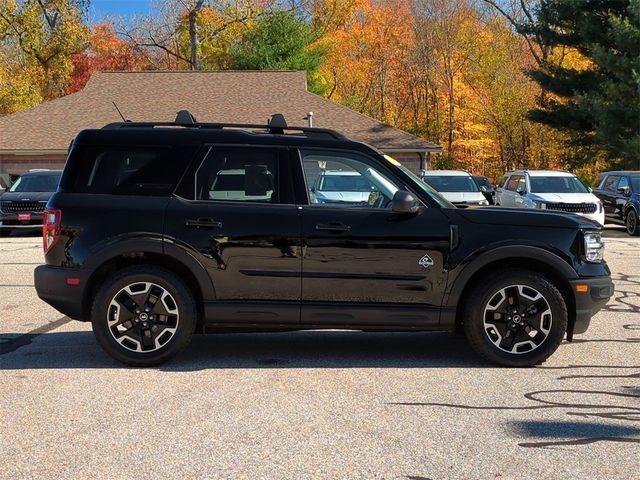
(239, 220)
(364, 264)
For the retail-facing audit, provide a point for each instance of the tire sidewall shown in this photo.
(474, 325)
(632, 231)
(176, 288)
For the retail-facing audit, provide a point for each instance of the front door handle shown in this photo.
(203, 222)
(333, 227)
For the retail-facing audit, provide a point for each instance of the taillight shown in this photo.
(50, 228)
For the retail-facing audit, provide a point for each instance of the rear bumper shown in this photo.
(588, 303)
(52, 287)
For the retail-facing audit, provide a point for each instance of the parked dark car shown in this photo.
(140, 241)
(23, 204)
(620, 195)
(486, 188)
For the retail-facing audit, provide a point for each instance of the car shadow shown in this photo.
(559, 433)
(615, 231)
(305, 349)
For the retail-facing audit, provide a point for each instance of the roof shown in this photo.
(543, 173)
(447, 173)
(221, 96)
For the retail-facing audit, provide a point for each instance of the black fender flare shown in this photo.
(157, 246)
(538, 254)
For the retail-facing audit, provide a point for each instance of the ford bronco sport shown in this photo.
(140, 240)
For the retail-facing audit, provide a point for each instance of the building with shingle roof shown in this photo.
(39, 137)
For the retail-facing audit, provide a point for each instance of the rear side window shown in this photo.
(147, 170)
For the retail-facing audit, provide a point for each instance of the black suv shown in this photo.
(620, 195)
(22, 205)
(142, 240)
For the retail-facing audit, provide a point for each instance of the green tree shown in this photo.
(281, 41)
(599, 106)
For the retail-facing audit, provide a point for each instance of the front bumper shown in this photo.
(588, 303)
(10, 221)
(52, 287)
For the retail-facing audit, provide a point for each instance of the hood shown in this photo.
(461, 197)
(25, 196)
(563, 197)
(526, 218)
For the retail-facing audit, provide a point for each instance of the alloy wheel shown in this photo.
(143, 317)
(517, 319)
(631, 222)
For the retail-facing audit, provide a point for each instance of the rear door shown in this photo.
(235, 213)
(364, 264)
(609, 193)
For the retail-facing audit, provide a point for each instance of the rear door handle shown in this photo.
(333, 227)
(203, 222)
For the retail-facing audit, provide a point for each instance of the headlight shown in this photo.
(540, 205)
(593, 247)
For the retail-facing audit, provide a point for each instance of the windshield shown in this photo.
(36, 183)
(451, 183)
(344, 183)
(557, 185)
(483, 182)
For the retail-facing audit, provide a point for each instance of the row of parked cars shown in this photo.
(615, 199)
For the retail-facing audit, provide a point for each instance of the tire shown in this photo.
(515, 339)
(631, 222)
(163, 325)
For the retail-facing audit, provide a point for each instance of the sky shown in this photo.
(99, 10)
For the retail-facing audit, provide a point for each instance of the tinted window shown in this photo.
(126, 171)
(483, 182)
(238, 174)
(635, 184)
(362, 184)
(36, 183)
(451, 183)
(515, 182)
(557, 185)
(610, 183)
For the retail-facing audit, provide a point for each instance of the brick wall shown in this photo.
(18, 164)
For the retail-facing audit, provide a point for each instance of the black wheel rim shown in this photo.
(517, 319)
(142, 317)
(631, 222)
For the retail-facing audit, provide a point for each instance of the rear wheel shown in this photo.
(144, 316)
(516, 318)
(631, 222)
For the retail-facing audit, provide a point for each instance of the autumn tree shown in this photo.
(43, 35)
(599, 105)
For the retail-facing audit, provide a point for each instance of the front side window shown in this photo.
(610, 183)
(241, 174)
(515, 182)
(346, 180)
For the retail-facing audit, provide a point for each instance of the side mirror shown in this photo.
(404, 202)
(483, 189)
(521, 191)
(624, 191)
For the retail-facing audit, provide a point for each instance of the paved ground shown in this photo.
(315, 405)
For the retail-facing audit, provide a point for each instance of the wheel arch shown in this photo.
(557, 270)
(187, 268)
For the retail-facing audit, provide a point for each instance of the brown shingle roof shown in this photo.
(223, 96)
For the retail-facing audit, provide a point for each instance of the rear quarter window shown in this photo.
(132, 170)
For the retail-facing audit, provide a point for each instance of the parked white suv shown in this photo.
(457, 186)
(548, 190)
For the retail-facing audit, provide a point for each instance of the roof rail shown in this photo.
(276, 125)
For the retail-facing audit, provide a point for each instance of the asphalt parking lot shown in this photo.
(315, 404)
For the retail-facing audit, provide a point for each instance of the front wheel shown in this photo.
(631, 222)
(143, 316)
(515, 318)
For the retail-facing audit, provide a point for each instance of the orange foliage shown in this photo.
(107, 51)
